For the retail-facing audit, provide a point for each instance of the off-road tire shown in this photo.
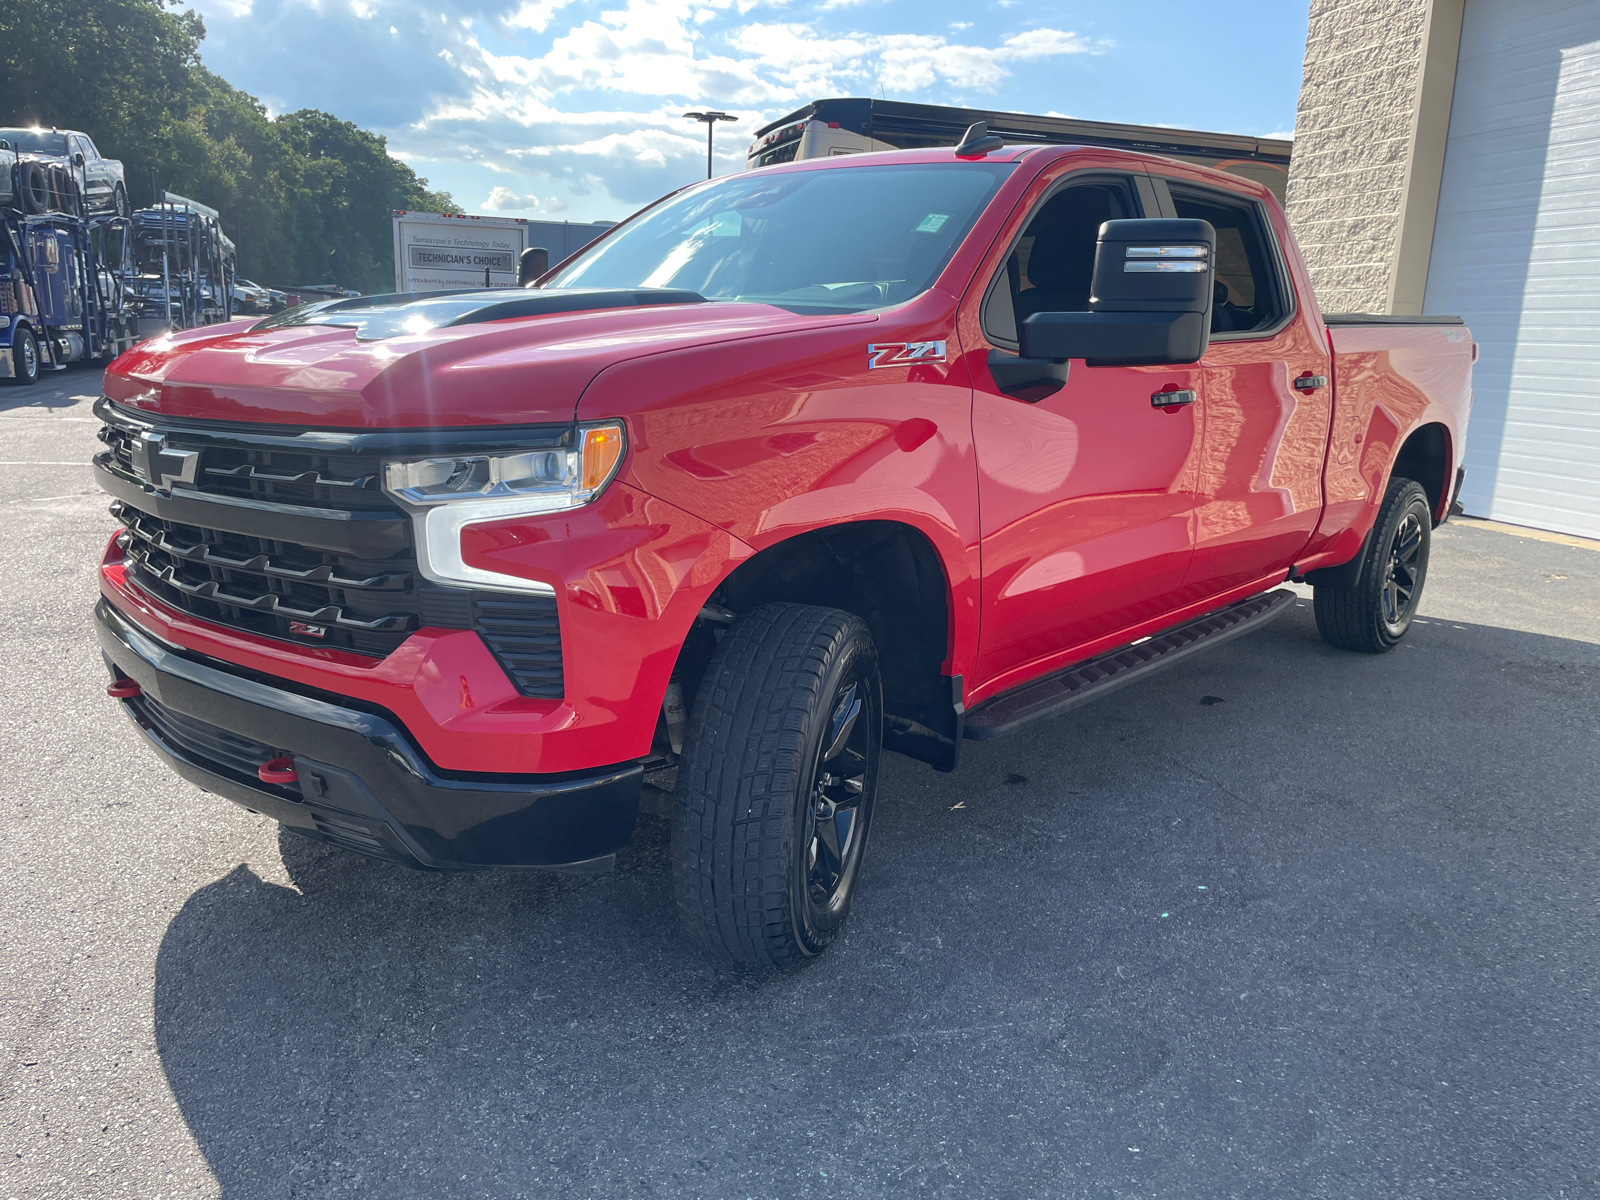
(748, 779)
(25, 366)
(1359, 617)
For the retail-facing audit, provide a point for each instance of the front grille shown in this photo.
(270, 587)
(367, 597)
(227, 754)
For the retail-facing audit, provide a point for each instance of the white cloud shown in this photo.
(502, 98)
(535, 14)
(555, 204)
(503, 199)
(902, 62)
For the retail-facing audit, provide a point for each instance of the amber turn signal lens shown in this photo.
(602, 447)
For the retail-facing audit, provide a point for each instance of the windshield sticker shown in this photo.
(904, 354)
(932, 223)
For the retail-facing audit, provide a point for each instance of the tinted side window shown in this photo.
(1249, 288)
(1051, 268)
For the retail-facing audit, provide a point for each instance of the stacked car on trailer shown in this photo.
(64, 270)
(186, 265)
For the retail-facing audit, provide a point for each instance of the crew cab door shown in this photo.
(1263, 439)
(1086, 489)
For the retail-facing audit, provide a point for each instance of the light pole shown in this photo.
(710, 119)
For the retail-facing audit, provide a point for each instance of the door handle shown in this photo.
(1173, 398)
(1310, 383)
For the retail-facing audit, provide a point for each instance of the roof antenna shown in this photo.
(978, 141)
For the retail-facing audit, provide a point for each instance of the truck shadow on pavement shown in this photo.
(1282, 921)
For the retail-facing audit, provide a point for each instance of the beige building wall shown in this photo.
(1369, 148)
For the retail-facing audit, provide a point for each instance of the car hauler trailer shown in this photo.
(63, 282)
(186, 265)
(854, 125)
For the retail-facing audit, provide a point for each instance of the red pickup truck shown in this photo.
(792, 468)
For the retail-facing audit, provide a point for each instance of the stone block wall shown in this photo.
(1353, 146)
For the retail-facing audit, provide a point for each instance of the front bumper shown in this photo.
(361, 783)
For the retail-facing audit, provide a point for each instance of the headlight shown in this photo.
(446, 494)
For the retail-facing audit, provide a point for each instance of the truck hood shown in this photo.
(386, 371)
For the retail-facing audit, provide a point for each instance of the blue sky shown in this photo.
(571, 109)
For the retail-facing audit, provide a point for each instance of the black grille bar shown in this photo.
(523, 634)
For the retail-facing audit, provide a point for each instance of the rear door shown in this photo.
(1086, 489)
(1259, 483)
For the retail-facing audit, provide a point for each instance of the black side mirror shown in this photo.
(535, 262)
(1150, 302)
(77, 159)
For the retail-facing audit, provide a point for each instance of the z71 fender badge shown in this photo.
(904, 354)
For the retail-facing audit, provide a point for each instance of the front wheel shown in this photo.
(1374, 613)
(24, 358)
(776, 784)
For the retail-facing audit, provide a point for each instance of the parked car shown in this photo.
(101, 181)
(278, 300)
(880, 452)
(251, 297)
(324, 291)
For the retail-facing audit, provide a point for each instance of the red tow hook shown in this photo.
(277, 770)
(124, 689)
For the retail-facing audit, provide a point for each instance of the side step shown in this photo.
(1090, 680)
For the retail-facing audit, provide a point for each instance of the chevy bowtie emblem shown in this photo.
(160, 467)
(904, 354)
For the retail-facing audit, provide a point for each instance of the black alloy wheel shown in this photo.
(835, 827)
(1373, 613)
(776, 784)
(1402, 577)
(24, 358)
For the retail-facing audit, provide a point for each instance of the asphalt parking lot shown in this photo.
(1283, 921)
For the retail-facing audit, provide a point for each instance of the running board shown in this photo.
(1087, 681)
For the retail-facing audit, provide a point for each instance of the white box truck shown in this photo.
(439, 251)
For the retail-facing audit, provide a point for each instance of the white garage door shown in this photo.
(1516, 251)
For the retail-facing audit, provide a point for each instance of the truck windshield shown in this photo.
(838, 240)
(35, 141)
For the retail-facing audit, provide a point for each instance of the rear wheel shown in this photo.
(776, 784)
(119, 201)
(24, 358)
(1373, 614)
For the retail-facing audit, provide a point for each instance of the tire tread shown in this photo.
(736, 779)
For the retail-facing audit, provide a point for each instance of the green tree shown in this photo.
(305, 197)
